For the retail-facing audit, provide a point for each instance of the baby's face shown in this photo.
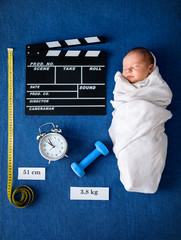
(135, 67)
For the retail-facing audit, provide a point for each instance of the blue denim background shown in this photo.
(154, 24)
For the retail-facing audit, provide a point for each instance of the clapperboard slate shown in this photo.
(65, 82)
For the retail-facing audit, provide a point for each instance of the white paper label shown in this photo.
(31, 173)
(89, 193)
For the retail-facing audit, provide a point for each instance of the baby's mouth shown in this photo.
(129, 77)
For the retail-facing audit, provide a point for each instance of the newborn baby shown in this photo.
(137, 129)
(137, 65)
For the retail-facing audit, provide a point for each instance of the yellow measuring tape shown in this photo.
(23, 195)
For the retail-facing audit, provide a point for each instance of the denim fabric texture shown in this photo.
(154, 24)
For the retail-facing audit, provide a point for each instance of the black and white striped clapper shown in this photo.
(65, 82)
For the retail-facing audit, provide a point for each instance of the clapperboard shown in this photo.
(65, 82)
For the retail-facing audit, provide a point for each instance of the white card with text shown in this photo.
(89, 193)
(30, 173)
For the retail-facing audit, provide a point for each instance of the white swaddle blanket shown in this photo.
(137, 130)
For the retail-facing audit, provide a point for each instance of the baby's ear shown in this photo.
(151, 68)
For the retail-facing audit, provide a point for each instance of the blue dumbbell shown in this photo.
(78, 168)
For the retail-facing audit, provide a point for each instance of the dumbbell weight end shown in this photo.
(77, 169)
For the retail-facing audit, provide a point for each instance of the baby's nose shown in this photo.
(129, 69)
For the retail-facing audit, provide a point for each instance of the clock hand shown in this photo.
(51, 148)
(49, 142)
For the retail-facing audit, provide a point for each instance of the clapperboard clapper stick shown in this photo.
(65, 82)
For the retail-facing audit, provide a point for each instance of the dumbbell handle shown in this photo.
(89, 159)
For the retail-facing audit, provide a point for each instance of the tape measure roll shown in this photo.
(23, 195)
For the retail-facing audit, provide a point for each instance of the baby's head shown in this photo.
(137, 64)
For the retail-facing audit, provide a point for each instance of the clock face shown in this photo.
(53, 146)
